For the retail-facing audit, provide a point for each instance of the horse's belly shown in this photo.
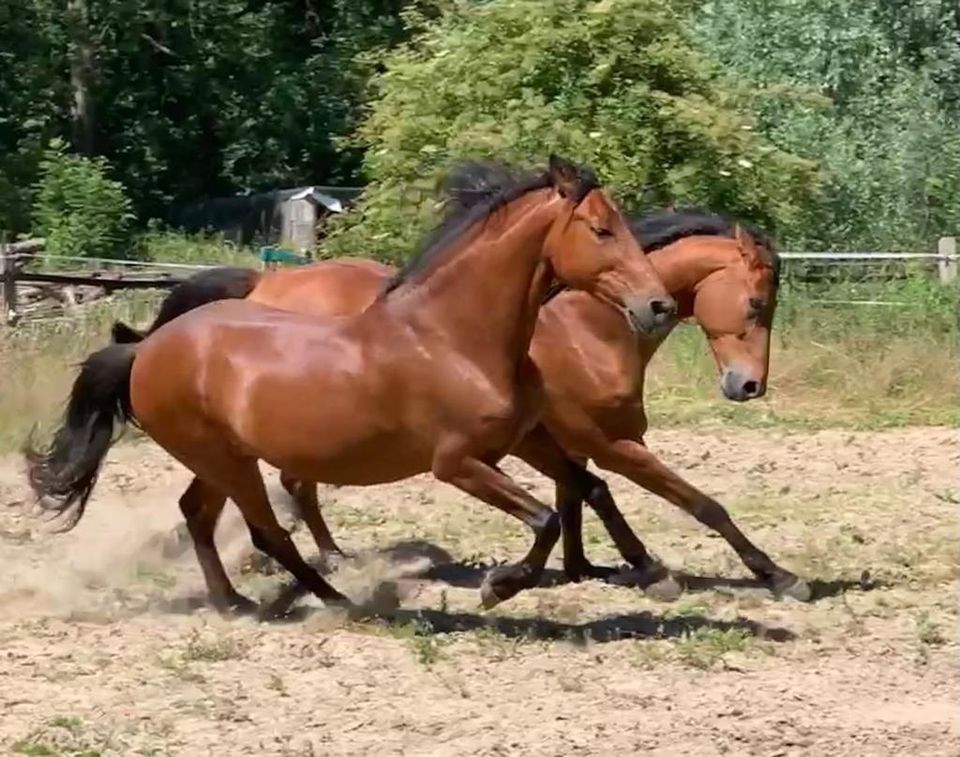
(377, 460)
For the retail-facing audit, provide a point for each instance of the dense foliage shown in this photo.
(837, 122)
(616, 84)
(79, 209)
(870, 89)
(186, 98)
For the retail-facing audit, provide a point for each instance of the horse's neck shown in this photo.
(683, 265)
(485, 297)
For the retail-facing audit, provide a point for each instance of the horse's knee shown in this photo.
(598, 495)
(446, 468)
(591, 489)
(263, 541)
(547, 526)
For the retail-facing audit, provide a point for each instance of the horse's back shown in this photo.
(279, 384)
(345, 286)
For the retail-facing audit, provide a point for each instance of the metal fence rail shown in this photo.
(112, 274)
(825, 257)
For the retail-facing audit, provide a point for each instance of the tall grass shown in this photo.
(38, 360)
(161, 246)
(831, 365)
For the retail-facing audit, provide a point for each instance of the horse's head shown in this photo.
(591, 248)
(734, 305)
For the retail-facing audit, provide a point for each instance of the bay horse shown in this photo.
(433, 375)
(593, 369)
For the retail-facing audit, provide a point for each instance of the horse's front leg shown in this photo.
(575, 484)
(632, 459)
(487, 483)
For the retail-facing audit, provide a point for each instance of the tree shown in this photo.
(30, 113)
(617, 84)
(187, 98)
(79, 209)
(870, 89)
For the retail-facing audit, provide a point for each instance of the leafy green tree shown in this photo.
(79, 210)
(617, 84)
(872, 91)
(30, 111)
(188, 98)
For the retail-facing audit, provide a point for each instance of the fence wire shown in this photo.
(841, 280)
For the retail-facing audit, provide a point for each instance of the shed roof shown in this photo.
(330, 203)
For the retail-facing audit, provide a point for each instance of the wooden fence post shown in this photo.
(947, 265)
(8, 278)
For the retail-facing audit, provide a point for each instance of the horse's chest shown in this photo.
(626, 419)
(498, 419)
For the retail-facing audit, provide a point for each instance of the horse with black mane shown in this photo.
(433, 375)
(720, 272)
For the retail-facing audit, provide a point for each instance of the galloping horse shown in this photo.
(434, 375)
(592, 365)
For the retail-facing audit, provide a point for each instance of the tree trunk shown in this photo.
(82, 64)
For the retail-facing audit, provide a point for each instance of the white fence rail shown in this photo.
(947, 255)
(121, 274)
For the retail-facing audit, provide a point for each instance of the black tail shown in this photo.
(63, 475)
(207, 286)
(124, 334)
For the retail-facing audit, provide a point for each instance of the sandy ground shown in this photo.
(104, 650)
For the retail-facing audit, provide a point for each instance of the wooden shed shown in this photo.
(300, 215)
(288, 217)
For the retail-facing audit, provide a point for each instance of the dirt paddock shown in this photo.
(104, 648)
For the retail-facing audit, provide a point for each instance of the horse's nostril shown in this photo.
(663, 307)
(751, 388)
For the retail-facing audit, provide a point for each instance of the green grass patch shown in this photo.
(830, 366)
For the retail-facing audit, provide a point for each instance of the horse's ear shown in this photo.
(742, 237)
(565, 176)
(749, 249)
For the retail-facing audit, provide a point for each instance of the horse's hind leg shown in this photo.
(307, 509)
(574, 484)
(201, 505)
(238, 477)
(304, 494)
(244, 485)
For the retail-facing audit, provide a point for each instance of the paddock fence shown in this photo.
(37, 285)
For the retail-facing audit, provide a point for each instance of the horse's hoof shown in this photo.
(504, 582)
(667, 589)
(488, 595)
(793, 587)
(236, 606)
(653, 578)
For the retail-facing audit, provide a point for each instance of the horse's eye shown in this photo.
(756, 306)
(601, 232)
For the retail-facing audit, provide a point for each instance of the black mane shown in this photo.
(659, 229)
(472, 191)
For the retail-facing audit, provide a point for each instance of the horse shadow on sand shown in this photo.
(445, 568)
(435, 564)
